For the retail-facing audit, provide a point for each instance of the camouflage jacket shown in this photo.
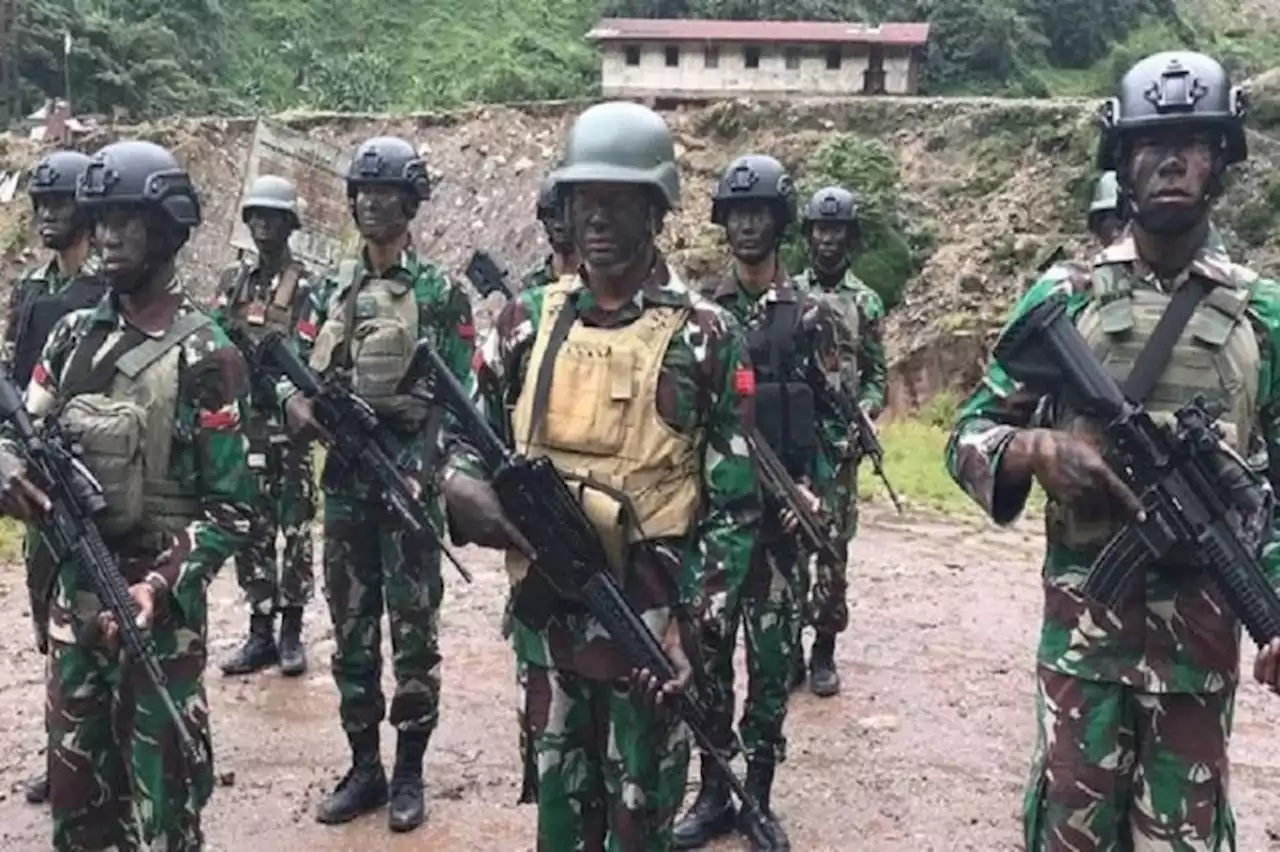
(700, 387)
(1172, 634)
(444, 318)
(211, 455)
(540, 275)
(864, 370)
(45, 278)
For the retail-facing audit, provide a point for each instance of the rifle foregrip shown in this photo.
(1240, 579)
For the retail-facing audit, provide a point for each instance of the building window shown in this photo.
(633, 54)
(751, 56)
(673, 55)
(833, 58)
(793, 58)
(711, 56)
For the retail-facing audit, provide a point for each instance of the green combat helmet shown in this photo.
(270, 192)
(756, 177)
(548, 200)
(621, 142)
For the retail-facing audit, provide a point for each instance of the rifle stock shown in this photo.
(776, 480)
(1170, 466)
(487, 276)
(571, 558)
(73, 536)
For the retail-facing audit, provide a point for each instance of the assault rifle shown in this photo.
(863, 434)
(357, 438)
(487, 276)
(261, 382)
(571, 559)
(776, 480)
(1175, 469)
(73, 536)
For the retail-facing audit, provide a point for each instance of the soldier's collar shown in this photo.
(405, 267)
(662, 287)
(1210, 262)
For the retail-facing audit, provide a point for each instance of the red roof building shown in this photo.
(649, 57)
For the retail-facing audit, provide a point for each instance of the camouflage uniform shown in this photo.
(569, 678)
(540, 275)
(863, 377)
(282, 465)
(1140, 699)
(369, 565)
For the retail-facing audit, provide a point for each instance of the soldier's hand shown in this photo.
(659, 694)
(1266, 666)
(478, 514)
(789, 519)
(301, 419)
(1070, 469)
(144, 595)
(19, 498)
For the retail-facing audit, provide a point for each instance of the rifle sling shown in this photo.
(1154, 357)
(546, 369)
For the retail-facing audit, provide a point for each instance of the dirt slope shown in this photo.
(997, 182)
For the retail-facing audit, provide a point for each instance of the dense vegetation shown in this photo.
(155, 57)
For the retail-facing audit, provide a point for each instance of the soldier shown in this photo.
(755, 204)
(1105, 218)
(366, 323)
(1134, 705)
(563, 259)
(145, 368)
(830, 227)
(39, 298)
(611, 769)
(257, 297)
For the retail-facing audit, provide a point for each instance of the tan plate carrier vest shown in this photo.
(1217, 356)
(603, 430)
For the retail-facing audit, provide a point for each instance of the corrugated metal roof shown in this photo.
(670, 29)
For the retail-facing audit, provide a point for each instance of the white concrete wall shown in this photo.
(692, 77)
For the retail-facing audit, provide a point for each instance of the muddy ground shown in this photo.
(925, 749)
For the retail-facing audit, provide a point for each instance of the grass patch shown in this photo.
(11, 535)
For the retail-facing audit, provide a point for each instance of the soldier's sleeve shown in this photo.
(873, 366)
(1265, 308)
(42, 390)
(222, 298)
(729, 524)
(499, 365)
(209, 393)
(988, 420)
(834, 357)
(311, 315)
(14, 304)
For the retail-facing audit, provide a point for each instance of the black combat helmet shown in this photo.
(548, 205)
(756, 177)
(1170, 89)
(140, 173)
(389, 161)
(56, 174)
(830, 204)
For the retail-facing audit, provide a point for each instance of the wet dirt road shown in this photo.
(925, 749)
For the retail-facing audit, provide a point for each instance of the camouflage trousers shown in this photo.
(828, 607)
(40, 567)
(1115, 769)
(611, 773)
(116, 770)
(764, 607)
(369, 565)
(285, 501)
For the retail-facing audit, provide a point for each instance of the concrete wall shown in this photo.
(696, 75)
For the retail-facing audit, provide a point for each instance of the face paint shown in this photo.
(121, 235)
(752, 230)
(56, 221)
(1170, 173)
(381, 216)
(830, 244)
(270, 229)
(613, 226)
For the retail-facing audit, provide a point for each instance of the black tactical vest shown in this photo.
(37, 313)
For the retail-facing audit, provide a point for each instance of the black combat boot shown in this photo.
(293, 656)
(769, 836)
(37, 789)
(408, 810)
(363, 788)
(797, 676)
(259, 650)
(824, 680)
(712, 813)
